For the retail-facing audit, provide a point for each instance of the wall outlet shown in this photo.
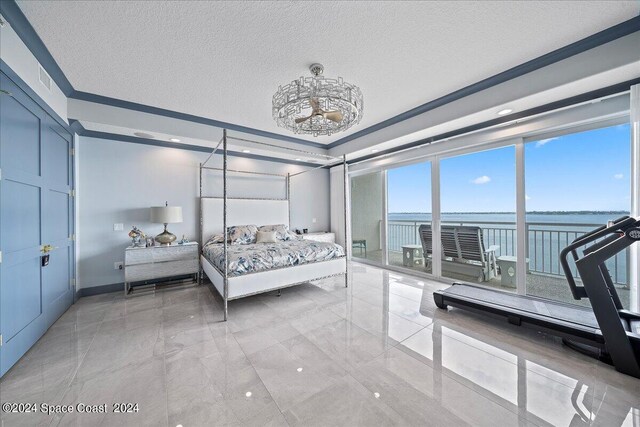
(314, 220)
(118, 227)
(118, 266)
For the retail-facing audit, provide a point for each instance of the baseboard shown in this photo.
(97, 290)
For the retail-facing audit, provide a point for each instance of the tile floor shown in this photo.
(377, 353)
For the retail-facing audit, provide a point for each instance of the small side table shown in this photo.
(321, 236)
(412, 255)
(507, 265)
(360, 244)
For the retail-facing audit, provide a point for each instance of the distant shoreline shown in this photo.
(513, 213)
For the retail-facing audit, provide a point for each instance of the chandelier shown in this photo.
(317, 105)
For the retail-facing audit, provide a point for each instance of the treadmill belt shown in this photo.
(568, 313)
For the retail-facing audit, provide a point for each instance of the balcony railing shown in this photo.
(545, 241)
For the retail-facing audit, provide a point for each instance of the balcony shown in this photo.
(545, 241)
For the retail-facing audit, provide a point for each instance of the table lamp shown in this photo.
(166, 215)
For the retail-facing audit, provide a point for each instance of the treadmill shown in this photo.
(606, 332)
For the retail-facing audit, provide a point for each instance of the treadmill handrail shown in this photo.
(619, 224)
(616, 222)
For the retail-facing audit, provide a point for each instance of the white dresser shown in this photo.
(142, 264)
(321, 236)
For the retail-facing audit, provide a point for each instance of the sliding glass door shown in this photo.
(366, 216)
(567, 183)
(574, 183)
(478, 205)
(409, 213)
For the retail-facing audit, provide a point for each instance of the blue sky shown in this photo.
(581, 171)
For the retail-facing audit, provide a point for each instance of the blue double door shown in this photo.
(36, 222)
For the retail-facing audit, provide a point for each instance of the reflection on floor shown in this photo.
(376, 353)
(540, 285)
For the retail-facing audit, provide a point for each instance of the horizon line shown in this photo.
(513, 212)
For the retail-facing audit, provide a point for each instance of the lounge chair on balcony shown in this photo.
(463, 252)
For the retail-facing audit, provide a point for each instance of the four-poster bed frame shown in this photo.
(219, 213)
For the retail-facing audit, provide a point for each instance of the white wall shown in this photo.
(17, 56)
(119, 181)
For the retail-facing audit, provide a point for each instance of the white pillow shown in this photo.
(266, 237)
(281, 230)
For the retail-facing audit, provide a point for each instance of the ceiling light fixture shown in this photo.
(174, 140)
(505, 111)
(375, 150)
(297, 160)
(335, 104)
(246, 151)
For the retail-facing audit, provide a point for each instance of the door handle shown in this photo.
(47, 248)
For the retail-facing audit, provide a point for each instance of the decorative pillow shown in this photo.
(216, 238)
(292, 236)
(281, 230)
(242, 234)
(266, 237)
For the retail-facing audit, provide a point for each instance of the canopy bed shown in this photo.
(247, 247)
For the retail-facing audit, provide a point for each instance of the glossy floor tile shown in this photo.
(376, 353)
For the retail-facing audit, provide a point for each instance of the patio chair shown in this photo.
(463, 252)
(360, 244)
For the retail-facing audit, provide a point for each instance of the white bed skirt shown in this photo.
(255, 283)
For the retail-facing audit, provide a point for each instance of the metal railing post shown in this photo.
(224, 223)
(347, 245)
(200, 231)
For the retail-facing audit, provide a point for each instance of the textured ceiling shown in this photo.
(224, 60)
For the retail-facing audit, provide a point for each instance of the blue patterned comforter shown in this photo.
(255, 257)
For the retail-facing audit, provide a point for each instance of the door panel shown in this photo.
(57, 166)
(35, 210)
(20, 124)
(56, 282)
(20, 216)
(22, 321)
(21, 284)
(56, 219)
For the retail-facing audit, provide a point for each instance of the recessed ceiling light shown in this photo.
(505, 111)
(174, 140)
(374, 150)
(144, 135)
(246, 151)
(297, 160)
(248, 394)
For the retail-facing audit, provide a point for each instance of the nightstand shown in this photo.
(322, 236)
(160, 262)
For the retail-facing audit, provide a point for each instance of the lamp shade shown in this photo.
(166, 214)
